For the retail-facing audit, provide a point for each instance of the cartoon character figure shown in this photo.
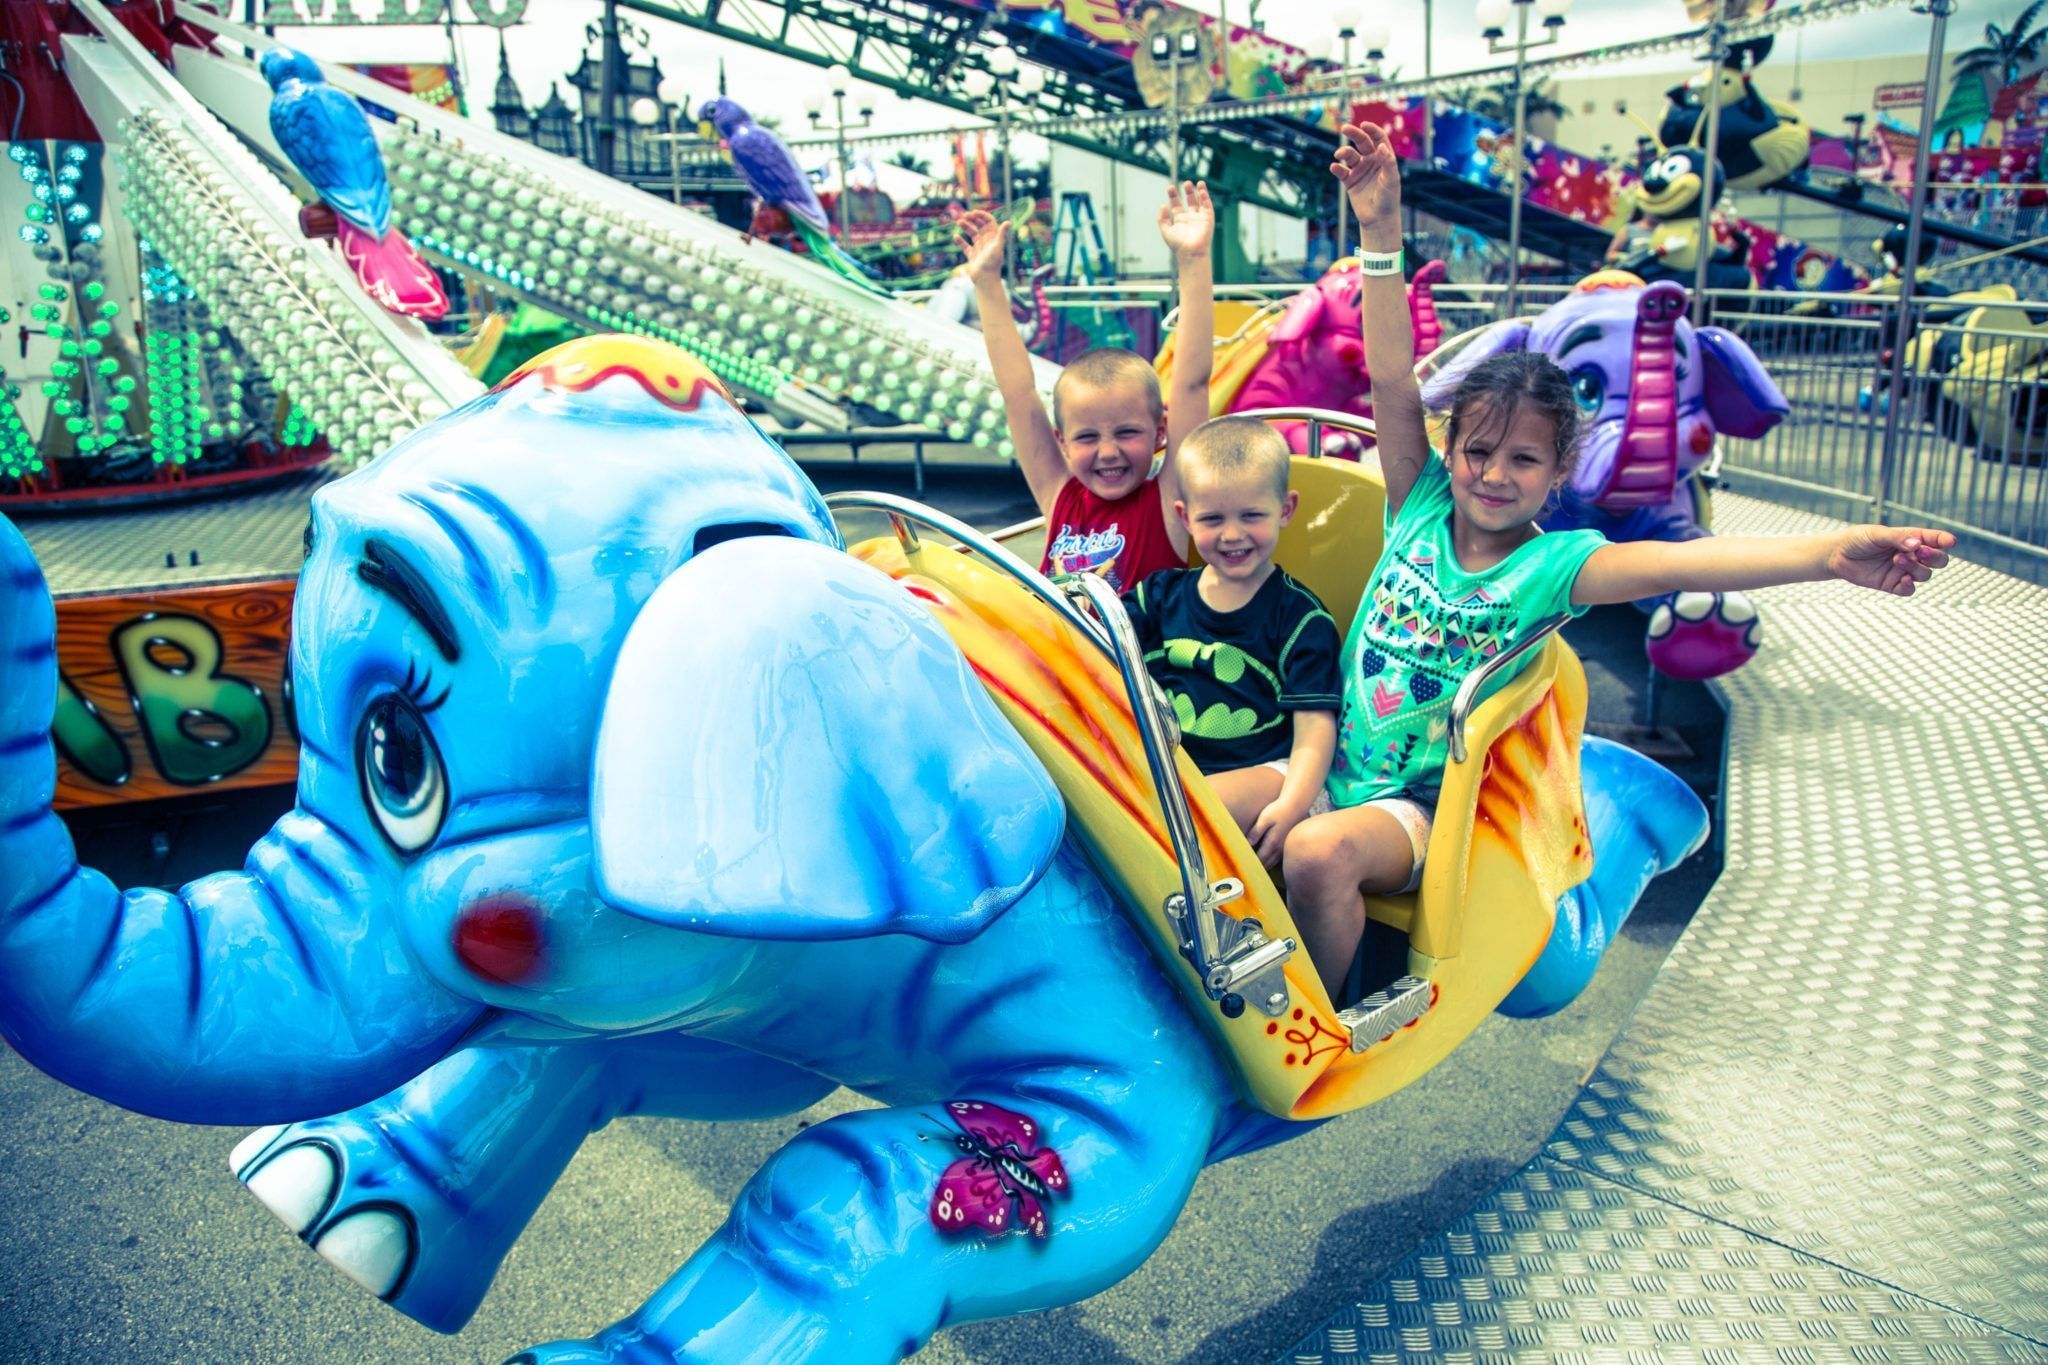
(1759, 143)
(1655, 392)
(1313, 354)
(1669, 198)
(327, 137)
(626, 790)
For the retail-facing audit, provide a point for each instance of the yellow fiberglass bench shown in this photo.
(1510, 835)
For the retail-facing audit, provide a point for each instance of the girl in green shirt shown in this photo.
(1466, 572)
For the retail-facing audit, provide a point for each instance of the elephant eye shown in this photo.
(404, 782)
(1589, 389)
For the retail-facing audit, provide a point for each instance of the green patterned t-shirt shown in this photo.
(1424, 624)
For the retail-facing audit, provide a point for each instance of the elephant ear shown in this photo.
(1642, 821)
(1299, 320)
(1742, 399)
(792, 748)
(1501, 337)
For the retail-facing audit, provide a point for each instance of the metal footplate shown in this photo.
(1387, 1011)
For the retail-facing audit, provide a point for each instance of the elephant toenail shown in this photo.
(296, 1185)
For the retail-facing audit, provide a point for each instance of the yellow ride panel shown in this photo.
(1510, 833)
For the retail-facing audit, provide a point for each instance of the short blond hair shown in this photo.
(1106, 367)
(1237, 447)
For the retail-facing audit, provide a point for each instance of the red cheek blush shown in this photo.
(499, 939)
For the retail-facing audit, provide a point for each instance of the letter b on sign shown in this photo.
(200, 724)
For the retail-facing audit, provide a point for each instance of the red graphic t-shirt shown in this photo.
(1123, 540)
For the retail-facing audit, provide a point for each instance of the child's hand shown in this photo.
(980, 236)
(1888, 558)
(1268, 834)
(1371, 176)
(1186, 220)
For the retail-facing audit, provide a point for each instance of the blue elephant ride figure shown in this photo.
(1657, 393)
(625, 789)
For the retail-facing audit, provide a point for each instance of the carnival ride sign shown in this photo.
(1901, 95)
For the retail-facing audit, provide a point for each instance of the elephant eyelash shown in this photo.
(418, 685)
(1681, 373)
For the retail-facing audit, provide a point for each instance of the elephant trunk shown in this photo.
(1646, 466)
(1422, 318)
(276, 993)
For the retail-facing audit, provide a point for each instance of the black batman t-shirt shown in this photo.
(1233, 676)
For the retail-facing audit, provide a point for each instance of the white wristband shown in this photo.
(1377, 263)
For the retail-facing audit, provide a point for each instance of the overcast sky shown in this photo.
(547, 46)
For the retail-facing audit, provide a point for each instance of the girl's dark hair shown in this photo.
(1493, 391)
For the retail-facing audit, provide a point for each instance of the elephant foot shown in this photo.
(367, 1206)
(1703, 634)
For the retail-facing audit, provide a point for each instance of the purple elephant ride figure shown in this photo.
(1315, 354)
(1655, 391)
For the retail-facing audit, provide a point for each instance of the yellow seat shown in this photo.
(1509, 837)
(1241, 330)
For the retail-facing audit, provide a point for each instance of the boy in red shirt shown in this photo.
(1089, 467)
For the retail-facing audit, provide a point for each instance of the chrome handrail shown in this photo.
(905, 516)
(1250, 960)
(1128, 655)
(1466, 699)
(1317, 419)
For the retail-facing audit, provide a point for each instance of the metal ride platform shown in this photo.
(1819, 1137)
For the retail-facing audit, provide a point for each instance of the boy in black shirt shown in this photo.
(1247, 655)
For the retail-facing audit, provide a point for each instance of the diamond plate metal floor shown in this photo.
(1819, 1137)
(229, 539)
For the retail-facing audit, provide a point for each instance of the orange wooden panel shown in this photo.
(164, 694)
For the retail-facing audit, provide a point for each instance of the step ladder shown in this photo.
(1078, 250)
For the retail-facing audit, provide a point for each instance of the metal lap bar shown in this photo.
(1467, 697)
(1249, 962)
(1225, 969)
(1317, 419)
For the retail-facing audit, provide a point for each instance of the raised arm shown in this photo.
(1891, 559)
(1372, 178)
(1038, 450)
(1186, 223)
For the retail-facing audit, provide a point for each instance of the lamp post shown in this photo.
(839, 84)
(671, 97)
(1376, 36)
(1493, 17)
(645, 114)
(1174, 50)
(1007, 88)
(1710, 193)
(1916, 205)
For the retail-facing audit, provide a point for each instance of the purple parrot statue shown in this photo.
(327, 137)
(770, 170)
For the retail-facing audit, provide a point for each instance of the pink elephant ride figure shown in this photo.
(1313, 355)
(1656, 392)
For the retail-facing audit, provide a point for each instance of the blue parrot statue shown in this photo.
(328, 139)
(770, 170)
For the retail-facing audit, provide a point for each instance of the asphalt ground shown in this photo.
(123, 1237)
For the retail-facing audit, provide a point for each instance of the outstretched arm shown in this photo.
(1891, 559)
(1186, 223)
(1038, 451)
(1372, 178)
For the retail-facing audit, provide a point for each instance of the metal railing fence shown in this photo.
(1970, 449)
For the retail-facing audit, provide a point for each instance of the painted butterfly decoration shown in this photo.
(1002, 1173)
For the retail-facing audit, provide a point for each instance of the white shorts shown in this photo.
(1320, 806)
(1416, 820)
